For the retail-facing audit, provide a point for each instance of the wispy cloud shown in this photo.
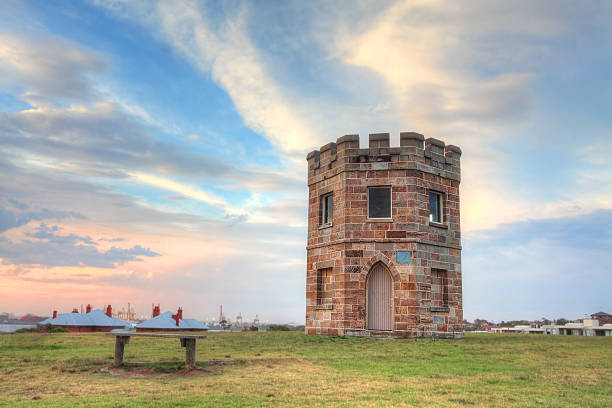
(48, 66)
(48, 247)
(186, 190)
(93, 137)
(10, 219)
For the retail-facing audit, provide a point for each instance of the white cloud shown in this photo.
(429, 54)
(186, 190)
(48, 66)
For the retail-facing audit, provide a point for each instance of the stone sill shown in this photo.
(439, 309)
(379, 220)
(324, 307)
(323, 226)
(437, 225)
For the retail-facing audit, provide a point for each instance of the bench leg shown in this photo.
(190, 353)
(120, 342)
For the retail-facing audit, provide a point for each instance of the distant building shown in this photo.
(10, 323)
(602, 317)
(524, 328)
(127, 315)
(91, 321)
(31, 318)
(588, 327)
(238, 323)
(167, 321)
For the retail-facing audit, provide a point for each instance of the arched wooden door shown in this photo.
(380, 298)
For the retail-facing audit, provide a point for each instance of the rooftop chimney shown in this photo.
(54, 314)
(75, 310)
(178, 316)
(109, 311)
(88, 310)
(156, 311)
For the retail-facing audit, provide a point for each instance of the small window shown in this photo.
(435, 207)
(324, 287)
(439, 288)
(379, 202)
(327, 209)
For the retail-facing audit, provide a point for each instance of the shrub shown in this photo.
(58, 329)
(27, 330)
(278, 327)
(254, 328)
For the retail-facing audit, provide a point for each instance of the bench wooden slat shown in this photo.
(166, 335)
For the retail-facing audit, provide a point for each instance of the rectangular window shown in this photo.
(324, 286)
(327, 209)
(379, 202)
(435, 207)
(439, 288)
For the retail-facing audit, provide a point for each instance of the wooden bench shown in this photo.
(187, 340)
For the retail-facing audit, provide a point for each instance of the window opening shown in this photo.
(327, 209)
(435, 207)
(439, 288)
(324, 286)
(379, 202)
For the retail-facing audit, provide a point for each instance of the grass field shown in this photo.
(291, 369)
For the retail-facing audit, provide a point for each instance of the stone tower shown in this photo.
(384, 243)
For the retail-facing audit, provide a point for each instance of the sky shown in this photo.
(154, 152)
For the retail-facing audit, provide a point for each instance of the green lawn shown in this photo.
(292, 369)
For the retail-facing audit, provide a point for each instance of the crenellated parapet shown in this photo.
(414, 152)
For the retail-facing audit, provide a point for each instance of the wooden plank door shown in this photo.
(380, 298)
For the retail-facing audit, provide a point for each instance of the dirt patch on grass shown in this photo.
(149, 372)
(166, 370)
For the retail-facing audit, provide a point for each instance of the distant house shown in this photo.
(587, 327)
(525, 329)
(92, 321)
(602, 317)
(31, 318)
(167, 321)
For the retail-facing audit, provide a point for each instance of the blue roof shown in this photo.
(94, 318)
(166, 322)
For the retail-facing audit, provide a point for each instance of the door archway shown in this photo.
(379, 298)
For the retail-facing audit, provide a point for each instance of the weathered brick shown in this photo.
(396, 234)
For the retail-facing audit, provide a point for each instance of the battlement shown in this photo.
(414, 152)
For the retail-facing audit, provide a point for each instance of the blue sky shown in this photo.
(155, 151)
